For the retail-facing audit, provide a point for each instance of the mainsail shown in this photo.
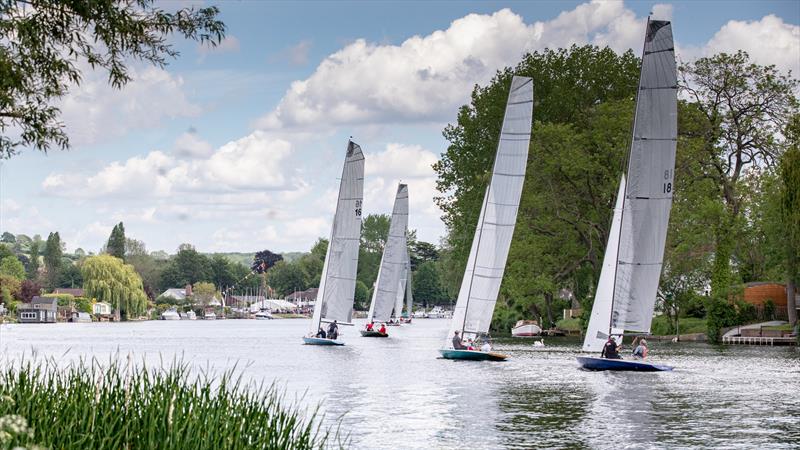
(597, 332)
(487, 257)
(409, 288)
(338, 283)
(393, 261)
(648, 193)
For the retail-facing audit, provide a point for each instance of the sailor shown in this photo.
(641, 350)
(610, 349)
(382, 330)
(486, 347)
(333, 330)
(321, 333)
(370, 325)
(457, 345)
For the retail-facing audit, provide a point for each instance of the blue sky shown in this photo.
(238, 148)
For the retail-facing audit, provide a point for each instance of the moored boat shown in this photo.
(170, 314)
(526, 328)
(210, 315)
(264, 315)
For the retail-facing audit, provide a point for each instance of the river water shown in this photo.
(395, 393)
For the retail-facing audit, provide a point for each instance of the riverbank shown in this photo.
(88, 406)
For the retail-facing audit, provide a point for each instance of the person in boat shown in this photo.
(486, 347)
(333, 330)
(320, 333)
(457, 345)
(640, 351)
(470, 345)
(610, 349)
(382, 329)
(370, 325)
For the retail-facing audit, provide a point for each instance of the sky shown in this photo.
(239, 147)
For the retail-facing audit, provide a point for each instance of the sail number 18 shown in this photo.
(667, 187)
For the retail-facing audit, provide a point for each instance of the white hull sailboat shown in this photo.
(626, 292)
(338, 283)
(487, 257)
(393, 262)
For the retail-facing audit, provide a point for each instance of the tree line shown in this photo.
(735, 208)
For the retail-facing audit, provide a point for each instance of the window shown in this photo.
(29, 315)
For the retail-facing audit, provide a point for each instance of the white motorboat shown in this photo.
(209, 315)
(264, 314)
(170, 314)
(526, 328)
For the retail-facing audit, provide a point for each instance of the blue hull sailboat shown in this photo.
(628, 284)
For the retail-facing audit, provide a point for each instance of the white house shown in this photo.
(101, 309)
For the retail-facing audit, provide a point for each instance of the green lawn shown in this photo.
(569, 324)
(686, 325)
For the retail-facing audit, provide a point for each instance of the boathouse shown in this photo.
(39, 310)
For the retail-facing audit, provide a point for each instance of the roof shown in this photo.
(272, 304)
(176, 293)
(75, 292)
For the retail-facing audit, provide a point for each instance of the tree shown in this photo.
(222, 274)
(11, 266)
(743, 107)
(420, 251)
(116, 242)
(186, 267)
(8, 238)
(33, 264)
(133, 247)
(361, 296)
(285, 277)
(790, 211)
(44, 43)
(263, 260)
(204, 293)
(9, 290)
(109, 279)
(374, 232)
(52, 259)
(29, 289)
(71, 276)
(426, 284)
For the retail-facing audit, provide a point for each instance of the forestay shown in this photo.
(498, 215)
(648, 194)
(393, 261)
(597, 332)
(338, 283)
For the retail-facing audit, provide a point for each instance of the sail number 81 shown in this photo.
(358, 208)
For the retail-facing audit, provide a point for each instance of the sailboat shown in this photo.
(338, 282)
(487, 257)
(626, 291)
(393, 262)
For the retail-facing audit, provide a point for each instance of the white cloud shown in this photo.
(401, 161)
(428, 77)
(230, 44)
(94, 111)
(190, 145)
(768, 41)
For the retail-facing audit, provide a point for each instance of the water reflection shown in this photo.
(396, 394)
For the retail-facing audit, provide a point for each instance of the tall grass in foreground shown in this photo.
(88, 406)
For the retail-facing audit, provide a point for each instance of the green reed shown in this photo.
(91, 406)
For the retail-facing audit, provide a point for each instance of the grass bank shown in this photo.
(86, 406)
(687, 325)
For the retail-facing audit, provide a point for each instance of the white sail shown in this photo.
(597, 332)
(400, 295)
(393, 260)
(409, 289)
(648, 194)
(495, 228)
(338, 283)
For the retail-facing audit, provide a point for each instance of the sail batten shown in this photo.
(490, 245)
(338, 282)
(393, 261)
(649, 188)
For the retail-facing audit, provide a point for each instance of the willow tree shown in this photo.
(108, 279)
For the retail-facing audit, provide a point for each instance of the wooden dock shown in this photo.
(758, 340)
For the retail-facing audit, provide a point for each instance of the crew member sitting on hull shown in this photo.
(320, 333)
(457, 345)
(370, 325)
(640, 351)
(382, 329)
(610, 349)
(333, 331)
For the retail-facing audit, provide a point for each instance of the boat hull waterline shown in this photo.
(320, 341)
(592, 363)
(373, 333)
(472, 355)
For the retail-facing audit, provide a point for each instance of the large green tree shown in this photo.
(52, 259)
(109, 279)
(116, 242)
(790, 211)
(186, 267)
(44, 44)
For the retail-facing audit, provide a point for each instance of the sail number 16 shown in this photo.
(358, 208)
